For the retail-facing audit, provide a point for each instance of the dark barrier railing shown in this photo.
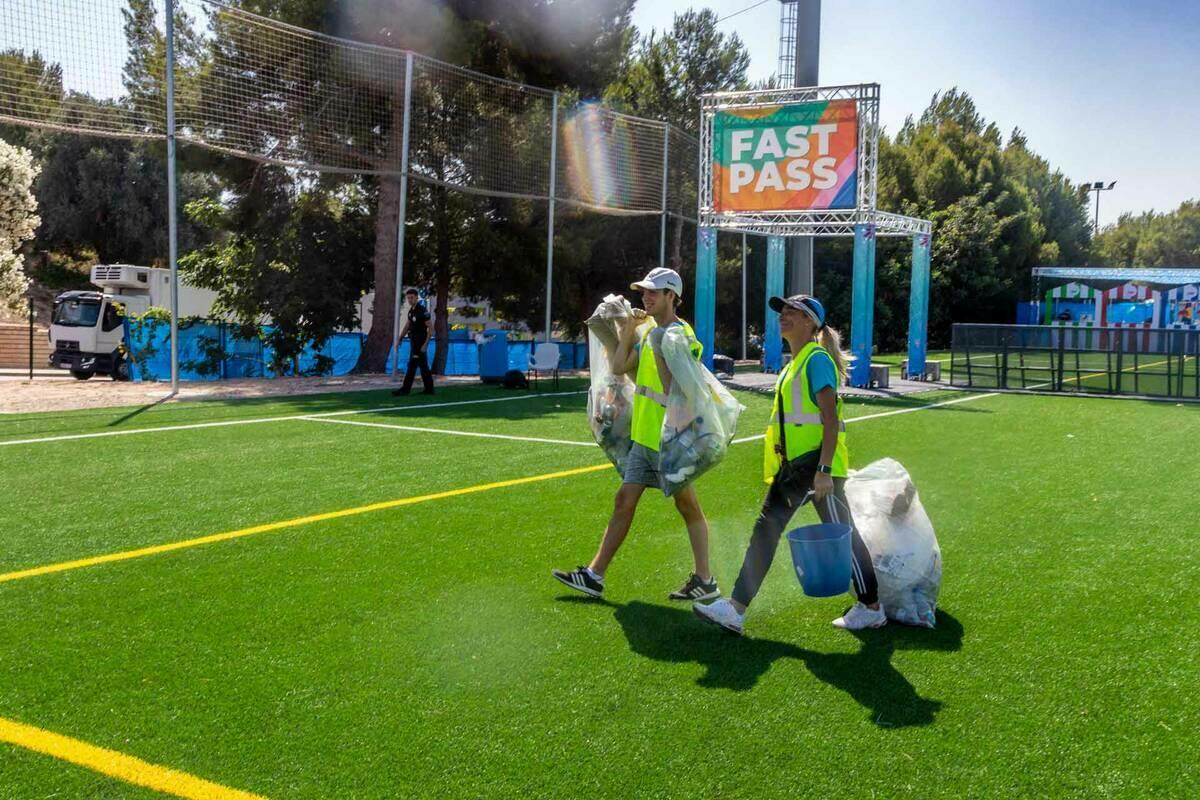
(1161, 362)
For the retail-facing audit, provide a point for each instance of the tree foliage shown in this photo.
(1152, 239)
(665, 74)
(998, 210)
(998, 207)
(299, 261)
(18, 218)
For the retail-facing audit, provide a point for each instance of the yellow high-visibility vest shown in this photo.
(801, 419)
(649, 400)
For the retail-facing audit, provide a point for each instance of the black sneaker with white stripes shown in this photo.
(696, 588)
(580, 580)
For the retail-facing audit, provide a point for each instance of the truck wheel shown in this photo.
(120, 370)
(80, 375)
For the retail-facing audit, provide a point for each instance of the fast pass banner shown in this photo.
(783, 158)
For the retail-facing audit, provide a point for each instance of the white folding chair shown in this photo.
(544, 359)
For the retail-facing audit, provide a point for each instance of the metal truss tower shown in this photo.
(788, 18)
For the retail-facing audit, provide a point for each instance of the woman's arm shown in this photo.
(827, 402)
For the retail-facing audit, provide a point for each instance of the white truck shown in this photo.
(87, 329)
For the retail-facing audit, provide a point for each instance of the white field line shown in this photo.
(892, 413)
(256, 420)
(449, 432)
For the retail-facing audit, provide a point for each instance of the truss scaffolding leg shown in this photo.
(918, 306)
(772, 341)
(863, 313)
(706, 290)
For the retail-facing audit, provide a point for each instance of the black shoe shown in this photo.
(579, 580)
(427, 391)
(694, 589)
(400, 392)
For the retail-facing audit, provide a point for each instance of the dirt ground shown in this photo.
(18, 395)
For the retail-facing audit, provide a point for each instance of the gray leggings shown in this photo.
(780, 504)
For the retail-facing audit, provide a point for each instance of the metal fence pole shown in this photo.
(1003, 359)
(1062, 344)
(662, 233)
(550, 226)
(402, 216)
(30, 298)
(743, 297)
(172, 222)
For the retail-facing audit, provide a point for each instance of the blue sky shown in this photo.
(1104, 90)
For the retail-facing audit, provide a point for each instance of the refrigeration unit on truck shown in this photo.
(87, 329)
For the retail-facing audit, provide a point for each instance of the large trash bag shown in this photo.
(700, 420)
(610, 399)
(900, 537)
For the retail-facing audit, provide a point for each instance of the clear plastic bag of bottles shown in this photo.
(904, 548)
(701, 417)
(610, 399)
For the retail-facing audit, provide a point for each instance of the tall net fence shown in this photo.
(59, 70)
(279, 94)
(611, 162)
(260, 89)
(478, 133)
(683, 175)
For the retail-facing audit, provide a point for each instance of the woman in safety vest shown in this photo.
(804, 457)
(661, 290)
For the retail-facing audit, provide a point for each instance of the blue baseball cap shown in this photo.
(801, 302)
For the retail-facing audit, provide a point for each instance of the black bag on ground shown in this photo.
(515, 379)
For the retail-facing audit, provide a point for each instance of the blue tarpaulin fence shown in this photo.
(463, 357)
(210, 351)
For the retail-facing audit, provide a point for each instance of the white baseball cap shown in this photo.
(661, 278)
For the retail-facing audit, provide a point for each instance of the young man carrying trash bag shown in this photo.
(639, 355)
(804, 457)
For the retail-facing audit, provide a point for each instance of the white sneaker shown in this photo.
(860, 617)
(722, 614)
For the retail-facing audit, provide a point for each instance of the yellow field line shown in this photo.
(117, 765)
(1137, 367)
(290, 523)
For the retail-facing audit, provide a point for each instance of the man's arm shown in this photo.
(625, 359)
(428, 333)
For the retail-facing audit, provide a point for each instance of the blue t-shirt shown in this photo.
(822, 372)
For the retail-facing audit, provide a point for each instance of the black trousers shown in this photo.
(782, 501)
(418, 359)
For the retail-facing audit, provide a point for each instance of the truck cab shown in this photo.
(86, 333)
(87, 329)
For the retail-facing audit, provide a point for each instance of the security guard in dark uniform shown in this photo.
(419, 328)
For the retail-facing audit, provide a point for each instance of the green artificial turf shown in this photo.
(424, 651)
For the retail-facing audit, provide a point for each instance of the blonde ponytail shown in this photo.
(831, 340)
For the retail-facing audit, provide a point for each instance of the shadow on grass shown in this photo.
(140, 409)
(674, 635)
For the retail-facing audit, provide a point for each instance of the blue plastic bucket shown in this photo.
(821, 554)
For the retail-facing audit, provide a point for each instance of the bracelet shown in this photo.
(825, 468)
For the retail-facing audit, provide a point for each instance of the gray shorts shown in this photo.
(641, 466)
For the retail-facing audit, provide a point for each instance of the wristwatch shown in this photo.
(826, 468)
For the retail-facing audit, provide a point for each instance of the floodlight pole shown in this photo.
(805, 37)
(1098, 187)
(550, 226)
(402, 216)
(662, 234)
(172, 221)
